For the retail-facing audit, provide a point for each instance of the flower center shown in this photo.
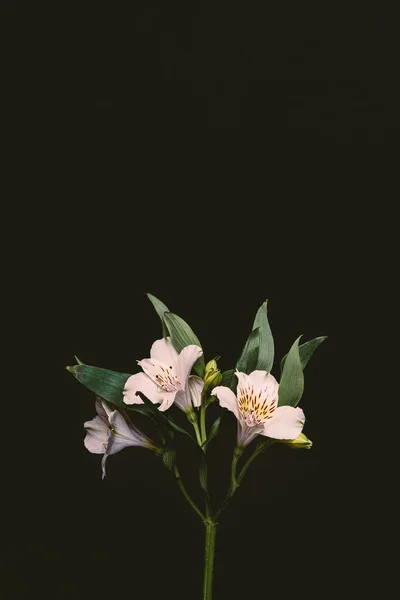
(255, 406)
(166, 378)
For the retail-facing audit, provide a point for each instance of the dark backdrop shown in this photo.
(214, 157)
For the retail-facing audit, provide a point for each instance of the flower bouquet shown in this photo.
(176, 374)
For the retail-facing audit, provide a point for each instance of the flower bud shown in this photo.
(300, 442)
(213, 375)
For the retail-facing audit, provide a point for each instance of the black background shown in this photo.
(214, 157)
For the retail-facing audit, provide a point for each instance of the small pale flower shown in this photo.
(256, 408)
(108, 433)
(165, 378)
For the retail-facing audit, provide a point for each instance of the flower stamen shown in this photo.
(256, 407)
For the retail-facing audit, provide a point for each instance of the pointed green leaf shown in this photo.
(213, 432)
(229, 379)
(158, 416)
(181, 336)
(180, 430)
(79, 361)
(292, 381)
(169, 458)
(203, 473)
(140, 408)
(106, 384)
(165, 421)
(160, 309)
(306, 351)
(266, 352)
(249, 357)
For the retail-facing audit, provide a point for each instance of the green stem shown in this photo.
(259, 449)
(234, 484)
(192, 417)
(211, 531)
(197, 431)
(203, 420)
(186, 495)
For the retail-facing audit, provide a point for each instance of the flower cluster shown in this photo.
(175, 376)
(262, 406)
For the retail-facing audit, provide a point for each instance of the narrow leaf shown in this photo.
(266, 352)
(249, 357)
(203, 473)
(169, 458)
(161, 418)
(158, 416)
(229, 379)
(181, 336)
(306, 351)
(160, 309)
(213, 432)
(292, 381)
(109, 385)
(180, 430)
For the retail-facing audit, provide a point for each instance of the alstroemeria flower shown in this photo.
(166, 376)
(256, 408)
(108, 433)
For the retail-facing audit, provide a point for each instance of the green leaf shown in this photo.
(140, 408)
(292, 381)
(169, 458)
(180, 430)
(157, 415)
(203, 473)
(249, 357)
(160, 309)
(266, 351)
(161, 418)
(109, 385)
(306, 351)
(181, 336)
(229, 379)
(213, 432)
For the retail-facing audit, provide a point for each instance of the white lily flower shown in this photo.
(108, 433)
(165, 379)
(256, 408)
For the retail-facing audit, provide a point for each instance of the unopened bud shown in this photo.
(213, 375)
(300, 442)
(211, 366)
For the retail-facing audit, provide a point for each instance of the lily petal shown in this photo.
(246, 434)
(286, 423)
(123, 435)
(103, 465)
(164, 351)
(191, 397)
(186, 360)
(102, 409)
(227, 399)
(266, 381)
(140, 382)
(97, 435)
(196, 385)
(122, 428)
(167, 401)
